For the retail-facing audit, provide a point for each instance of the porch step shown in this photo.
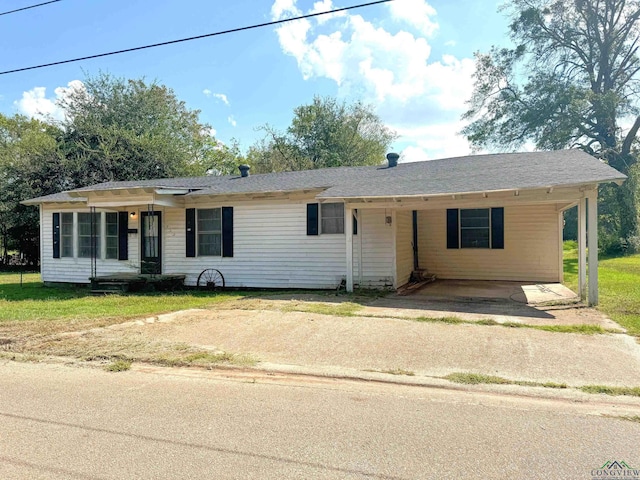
(109, 286)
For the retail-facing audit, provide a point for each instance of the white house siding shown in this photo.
(271, 248)
(531, 247)
(404, 249)
(78, 270)
(377, 248)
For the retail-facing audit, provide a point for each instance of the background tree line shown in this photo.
(570, 79)
(116, 129)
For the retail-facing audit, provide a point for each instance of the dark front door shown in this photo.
(151, 243)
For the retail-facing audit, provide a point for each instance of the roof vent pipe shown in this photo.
(244, 170)
(392, 158)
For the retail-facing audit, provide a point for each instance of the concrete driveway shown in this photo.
(385, 336)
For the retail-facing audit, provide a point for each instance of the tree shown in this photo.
(571, 80)
(117, 129)
(325, 133)
(30, 166)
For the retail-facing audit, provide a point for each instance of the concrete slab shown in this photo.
(426, 349)
(520, 292)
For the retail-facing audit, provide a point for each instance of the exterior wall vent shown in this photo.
(392, 158)
(244, 170)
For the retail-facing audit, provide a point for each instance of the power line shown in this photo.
(198, 37)
(30, 6)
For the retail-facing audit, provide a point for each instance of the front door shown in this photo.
(151, 243)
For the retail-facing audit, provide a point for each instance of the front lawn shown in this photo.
(33, 301)
(619, 284)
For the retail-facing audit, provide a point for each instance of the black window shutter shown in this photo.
(56, 235)
(355, 224)
(123, 235)
(227, 231)
(190, 237)
(312, 219)
(452, 228)
(497, 227)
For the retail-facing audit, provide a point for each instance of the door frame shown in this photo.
(147, 267)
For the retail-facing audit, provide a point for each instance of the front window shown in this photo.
(210, 232)
(475, 228)
(88, 231)
(332, 217)
(66, 235)
(111, 235)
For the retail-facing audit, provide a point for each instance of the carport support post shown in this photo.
(348, 230)
(593, 248)
(582, 250)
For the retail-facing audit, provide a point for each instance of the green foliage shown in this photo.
(30, 165)
(117, 129)
(570, 80)
(326, 133)
(114, 129)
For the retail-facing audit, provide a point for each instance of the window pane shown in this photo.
(84, 234)
(210, 232)
(474, 228)
(474, 238)
(478, 217)
(111, 226)
(332, 217)
(66, 235)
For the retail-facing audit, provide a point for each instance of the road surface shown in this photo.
(59, 422)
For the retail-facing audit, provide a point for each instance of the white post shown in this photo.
(593, 248)
(582, 251)
(348, 230)
(561, 246)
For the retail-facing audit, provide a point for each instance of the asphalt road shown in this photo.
(59, 422)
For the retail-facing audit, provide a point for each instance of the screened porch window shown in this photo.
(210, 232)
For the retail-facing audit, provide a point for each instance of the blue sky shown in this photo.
(411, 59)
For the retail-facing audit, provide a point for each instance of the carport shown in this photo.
(482, 218)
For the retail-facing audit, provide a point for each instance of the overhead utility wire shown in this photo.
(170, 42)
(30, 6)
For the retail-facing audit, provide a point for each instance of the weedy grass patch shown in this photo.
(619, 285)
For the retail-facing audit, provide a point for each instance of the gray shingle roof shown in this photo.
(477, 173)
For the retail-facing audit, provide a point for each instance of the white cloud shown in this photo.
(417, 13)
(232, 121)
(222, 97)
(35, 104)
(280, 7)
(429, 142)
(219, 96)
(388, 64)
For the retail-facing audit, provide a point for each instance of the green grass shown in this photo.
(118, 366)
(630, 391)
(619, 285)
(468, 378)
(34, 301)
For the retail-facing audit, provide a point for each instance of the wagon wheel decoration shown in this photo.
(210, 279)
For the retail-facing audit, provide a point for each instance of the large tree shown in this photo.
(30, 165)
(571, 79)
(325, 133)
(117, 129)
